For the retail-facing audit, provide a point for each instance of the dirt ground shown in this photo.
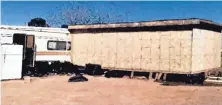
(55, 90)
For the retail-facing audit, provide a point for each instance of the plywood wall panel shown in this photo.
(185, 65)
(186, 35)
(165, 46)
(175, 63)
(91, 45)
(128, 51)
(155, 64)
(146, 53)
(105, 52)
(80, 51)
(137, 64)
(136, 50)
(165, 51)
(164, 65)
(97, 59)
(112, 50)
(205, 52)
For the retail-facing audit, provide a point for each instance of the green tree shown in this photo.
(38, 22)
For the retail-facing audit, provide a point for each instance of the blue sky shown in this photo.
(17, 13)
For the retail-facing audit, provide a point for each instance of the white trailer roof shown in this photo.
(37, 29)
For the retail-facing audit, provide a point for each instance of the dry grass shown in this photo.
(55, 90)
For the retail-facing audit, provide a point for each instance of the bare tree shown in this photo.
(79, 14)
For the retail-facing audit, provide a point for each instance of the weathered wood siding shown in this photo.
(160, 51)
(206, 50)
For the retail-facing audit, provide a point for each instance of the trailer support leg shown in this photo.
(206, 73)
(159, 76)
(156, 76)
(132, 74)
(164, 76)
(150, 75)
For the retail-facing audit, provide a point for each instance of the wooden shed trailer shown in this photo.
(186, 46)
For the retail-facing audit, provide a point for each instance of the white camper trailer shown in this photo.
(52, 45)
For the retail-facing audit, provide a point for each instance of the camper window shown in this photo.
(51, 45)
(56, 45)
